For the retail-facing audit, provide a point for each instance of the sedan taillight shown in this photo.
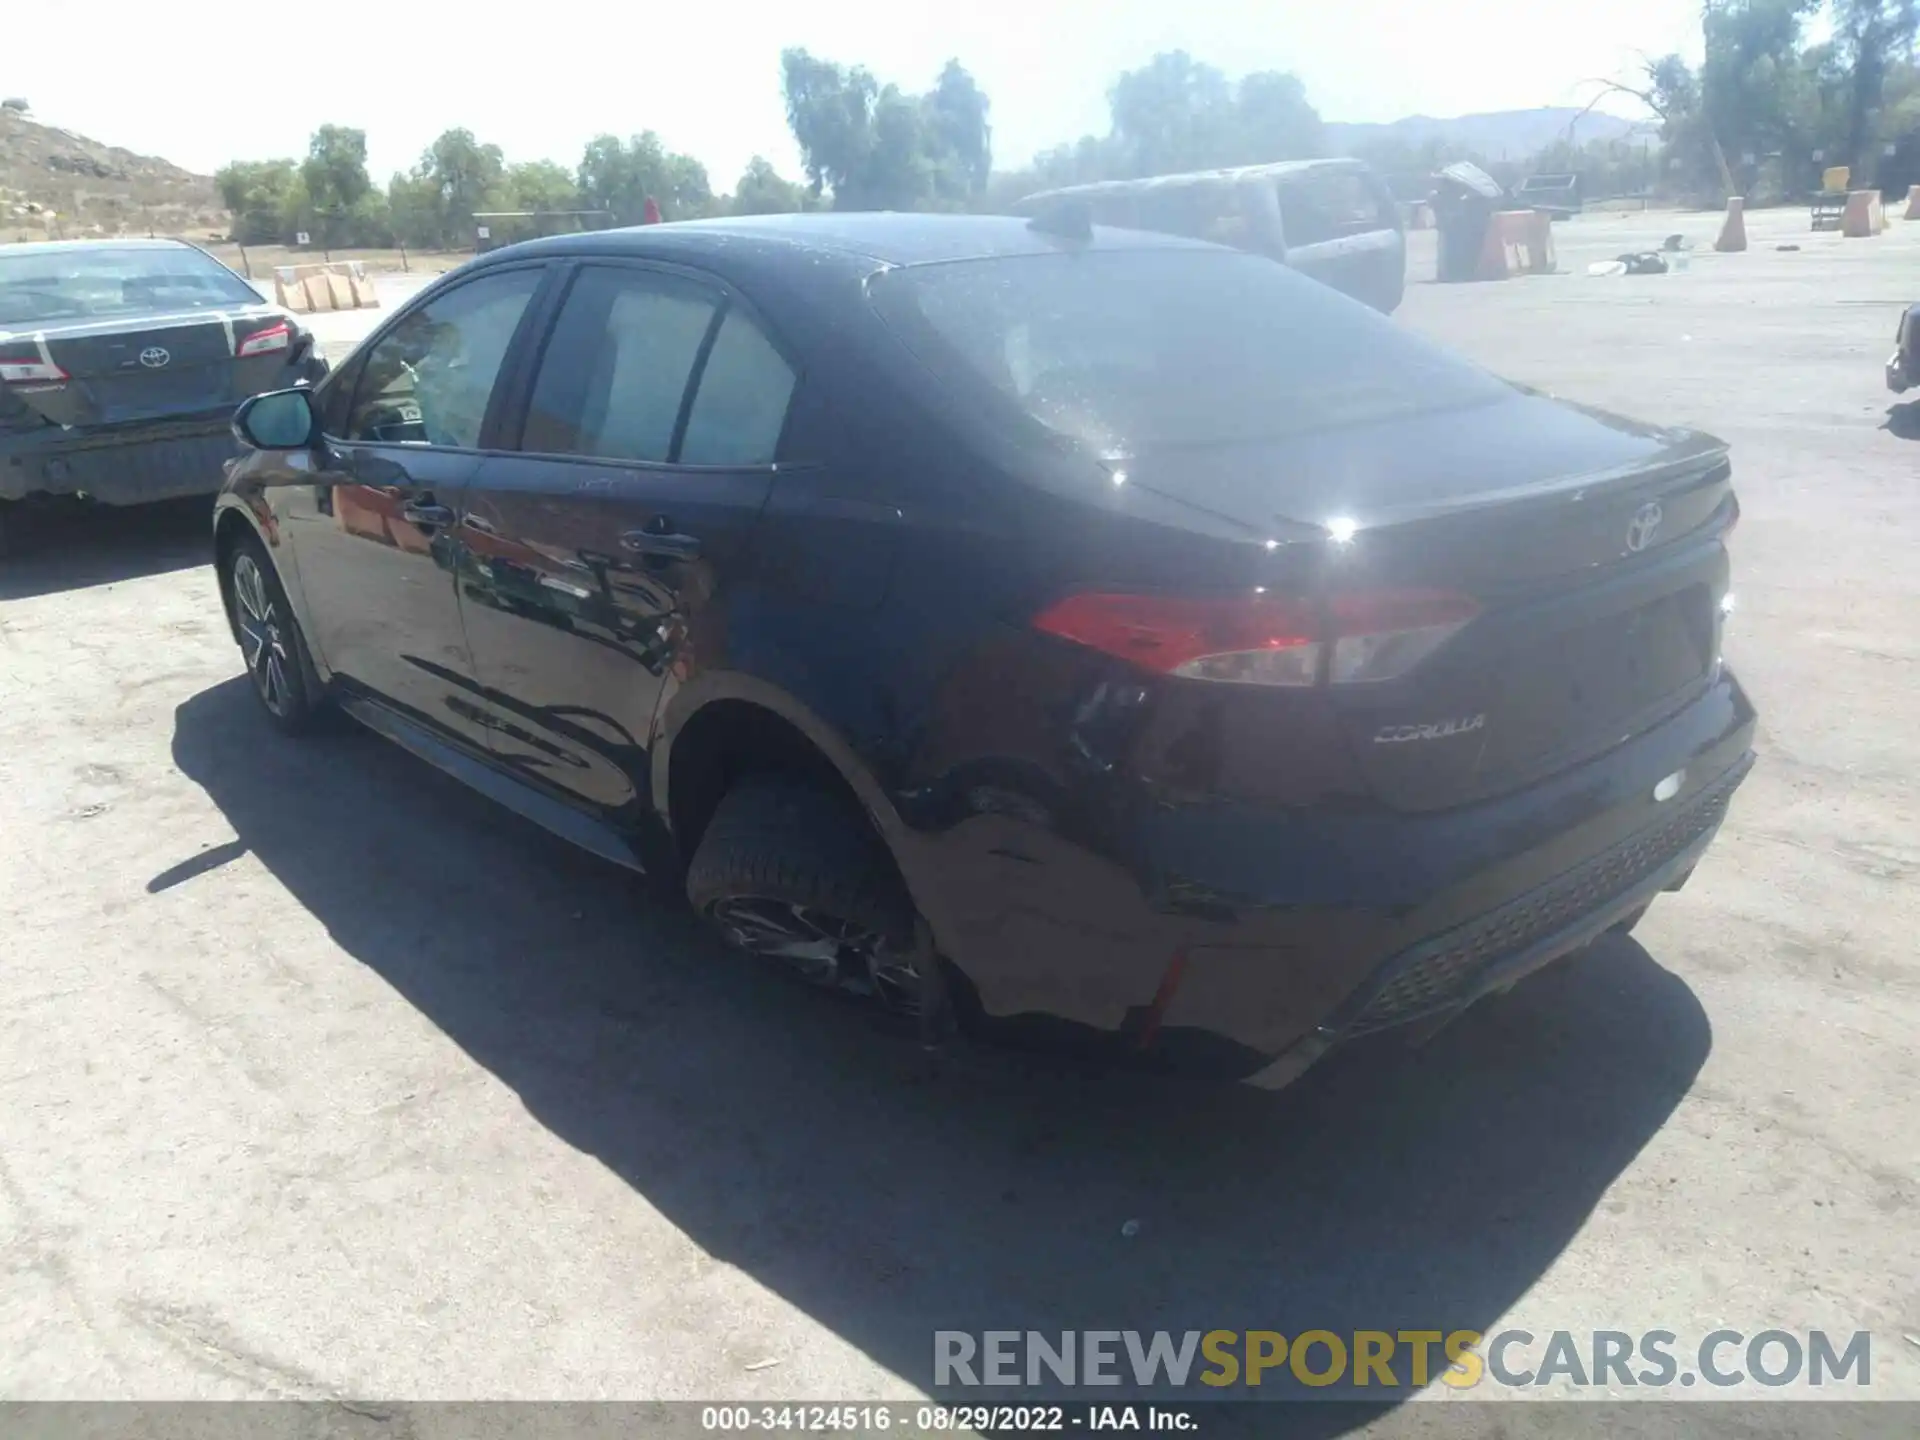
(30, 366)
(1351, 638)
(264, 342)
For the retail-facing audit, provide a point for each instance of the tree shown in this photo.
(256, 194)
(335, 178)
(619, 175)
(959, 135)
(875, 147)
(540, 185)
(1752, 78)
(762, 191)
(1274, 120)
(1870, 36)
(416, 210)
(1669, 88)
(1172, 114)
(463, 174)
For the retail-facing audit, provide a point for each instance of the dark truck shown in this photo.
(1557, 195)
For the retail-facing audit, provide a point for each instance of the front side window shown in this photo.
(427, 381)
(615, 373)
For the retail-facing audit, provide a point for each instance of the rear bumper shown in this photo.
(1253, 941)
(160, 460)
(1443, 976)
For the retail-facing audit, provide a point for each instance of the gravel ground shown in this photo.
(321, 1077)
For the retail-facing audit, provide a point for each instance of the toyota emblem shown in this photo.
(1640, 529)
(154, 358)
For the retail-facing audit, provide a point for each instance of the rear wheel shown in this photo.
(270, 641)
(795, 874)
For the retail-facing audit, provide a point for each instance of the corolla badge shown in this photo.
(1641, 529)
(1431, 730)
(154, 358)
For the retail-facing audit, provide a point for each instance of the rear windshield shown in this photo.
(57, 286)
(1131, 350)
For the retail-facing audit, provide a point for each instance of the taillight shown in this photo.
(265, 342)
(1384, 634)
(27, 367)
(1352, 638)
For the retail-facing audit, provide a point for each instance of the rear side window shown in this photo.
(1209, 211)
(1128, 350)
(741, 405)
(615, 372)
(1121, 211)
(1318, 205)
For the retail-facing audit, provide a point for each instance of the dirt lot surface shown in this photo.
(322, 1077)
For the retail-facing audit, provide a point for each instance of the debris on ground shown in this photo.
(1646, 262)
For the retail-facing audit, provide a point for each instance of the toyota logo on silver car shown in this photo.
(154, 358)
(1640, 530)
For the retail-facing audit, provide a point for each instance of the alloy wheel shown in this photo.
(263, 640)
(824, 949)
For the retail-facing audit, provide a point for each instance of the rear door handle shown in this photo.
(669, 544)
(425, 512)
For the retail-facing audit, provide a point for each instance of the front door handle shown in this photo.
(666, 543)
(426, 513)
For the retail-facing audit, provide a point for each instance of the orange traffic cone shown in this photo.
(1733, 233)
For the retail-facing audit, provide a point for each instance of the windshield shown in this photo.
(56, 286)
(1130, 350)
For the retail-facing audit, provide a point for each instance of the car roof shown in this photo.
(886, 237)
(1232, 174)
(54, 247)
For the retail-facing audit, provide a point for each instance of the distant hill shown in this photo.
(1501, 135)
(94, 189)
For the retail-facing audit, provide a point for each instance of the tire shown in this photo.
(795, 873)
(274, 651)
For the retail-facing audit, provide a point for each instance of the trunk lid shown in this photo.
(135, 368)
(1591, 545)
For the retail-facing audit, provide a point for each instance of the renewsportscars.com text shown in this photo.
(1378, 1360)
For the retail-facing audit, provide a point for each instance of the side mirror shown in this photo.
(277, 420)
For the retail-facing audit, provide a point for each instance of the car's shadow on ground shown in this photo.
(1903, 420)
(887, 1195)
(44, 551)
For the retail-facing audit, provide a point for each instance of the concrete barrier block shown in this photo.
(1857, 221)
(1733, 230)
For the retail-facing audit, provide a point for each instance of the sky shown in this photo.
(201, 83)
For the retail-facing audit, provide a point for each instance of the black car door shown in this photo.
(618, 538)
(374, 532)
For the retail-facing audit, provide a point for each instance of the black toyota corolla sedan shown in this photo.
(1085, 627)
(120, 364)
